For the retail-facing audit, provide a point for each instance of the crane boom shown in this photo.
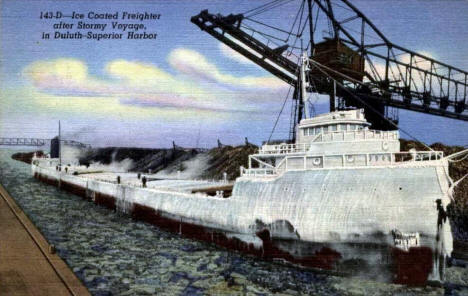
(405, 79)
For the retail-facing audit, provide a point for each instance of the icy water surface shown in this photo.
(114, 255)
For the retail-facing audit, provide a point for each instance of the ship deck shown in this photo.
(27, 267)
(154, 181)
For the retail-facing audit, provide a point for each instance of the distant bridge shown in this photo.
(37, 142)
(22, 142)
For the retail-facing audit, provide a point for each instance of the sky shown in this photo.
(184, 86)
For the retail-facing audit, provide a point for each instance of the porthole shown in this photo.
(385, 146)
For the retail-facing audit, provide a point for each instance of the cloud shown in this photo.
(149, 79)
(234, 55)
(60, 75)
(197, 84)
(136, 71)
(69, 70)
(419, 62)
(132, 82)
(396, 71)
(198, 67)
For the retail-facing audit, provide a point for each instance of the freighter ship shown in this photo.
(343, 197)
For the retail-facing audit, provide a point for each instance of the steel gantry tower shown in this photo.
(352, 62)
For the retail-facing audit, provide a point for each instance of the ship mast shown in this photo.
(59, 145)
(303, 83)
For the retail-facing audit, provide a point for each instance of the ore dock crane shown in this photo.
(354, 63)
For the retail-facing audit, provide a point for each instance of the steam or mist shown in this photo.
(78, 135)
(115, 166)
(70, 155)
(189, 169)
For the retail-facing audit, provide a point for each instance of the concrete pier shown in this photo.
(28, 264)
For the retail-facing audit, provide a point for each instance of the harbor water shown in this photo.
(114, 255)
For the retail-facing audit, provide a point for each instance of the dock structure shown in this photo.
(28, 263)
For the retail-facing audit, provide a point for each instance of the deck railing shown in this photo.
(357, 135)
(338, 136)
(308, 162)
(258, 172)
(284, 148)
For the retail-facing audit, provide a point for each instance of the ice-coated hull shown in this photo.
(332, 219)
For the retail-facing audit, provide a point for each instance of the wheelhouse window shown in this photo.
(309, 131)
